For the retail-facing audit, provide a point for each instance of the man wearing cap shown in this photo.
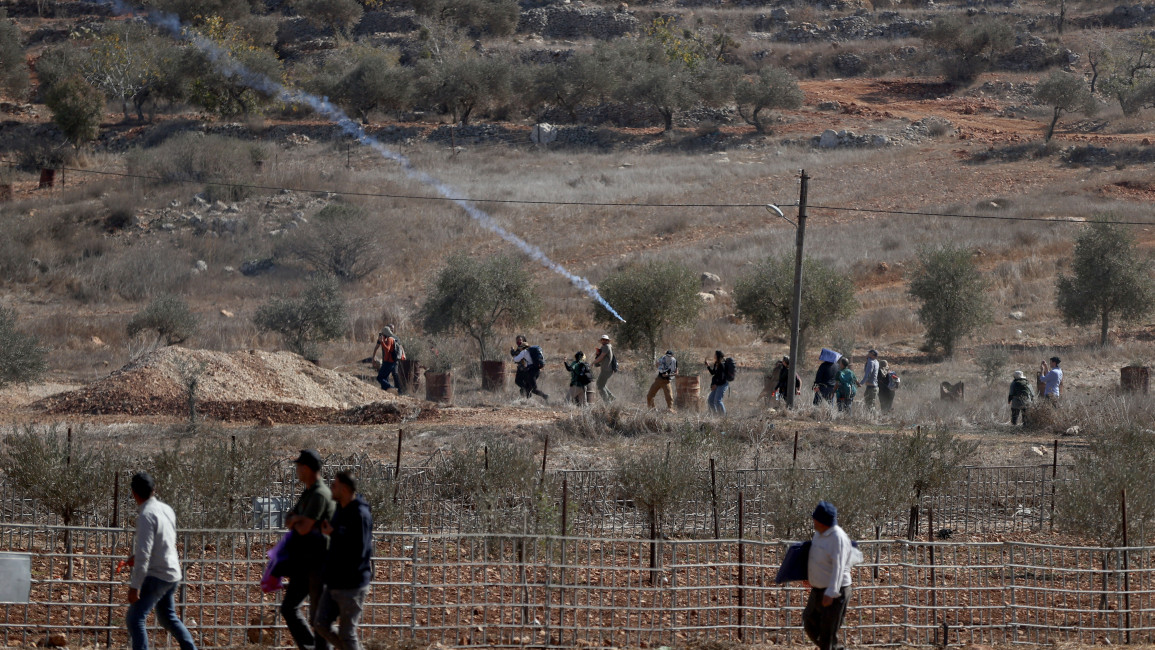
(388, 346)
(667, 370)
(604, 359)
(869, 380)
(828, 571)
(307, 549)
(1020, 397)
(155, 568)
(1052, 380)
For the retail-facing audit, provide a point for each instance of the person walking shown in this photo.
(348, 566)
(1052, 380)
(784, 379)
(887, 385)
(826, 378)
(719, 382)
(1020, 397)
(869, 381)
(846, 385)
(580, 376)
(155, 568)
(605, 359)
(389, 347)
(828, 568)
(667, 369)
(529, 363)
(307, 549)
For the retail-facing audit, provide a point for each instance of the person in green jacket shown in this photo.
(847, 383)
(580, 376)
(1020, 397)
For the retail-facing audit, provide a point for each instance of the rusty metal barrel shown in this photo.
(439, 387)
(1135, 379)
(687, 392)
(493, 375)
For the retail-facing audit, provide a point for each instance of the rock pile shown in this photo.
(235, 386)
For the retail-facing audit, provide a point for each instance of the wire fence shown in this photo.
(982, 500)
(472, 590)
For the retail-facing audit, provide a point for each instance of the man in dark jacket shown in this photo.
(825, 381)
(348, 566)
(1020, 397)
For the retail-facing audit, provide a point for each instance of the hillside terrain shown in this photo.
(194, 184)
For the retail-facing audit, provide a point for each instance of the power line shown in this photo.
(607, 204)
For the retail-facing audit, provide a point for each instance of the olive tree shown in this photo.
(1129, 68)
(339, 240)
(1109, 278)
(169, 316)
(66, 475)
(316, 316)
(1115, 459)
(1064, 93)
(478, 17)
(76, 108)
(462, 82)
(969, 46)
(341, 15)
(583, 78)
(13, 68)
(769, 89)
(375, 82)
(478, 295)
(952, 296)
(652, 298)
(22, 360)
(765, 296)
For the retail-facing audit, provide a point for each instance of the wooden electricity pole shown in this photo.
(796, 307)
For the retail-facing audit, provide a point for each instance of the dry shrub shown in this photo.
(132, 274)
(199, 158)
(613, 419)
(889, 322)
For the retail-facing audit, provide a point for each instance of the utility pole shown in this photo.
(796, 308)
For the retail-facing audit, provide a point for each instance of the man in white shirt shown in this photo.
(1052, 380)
(155, 568)
(828, 571)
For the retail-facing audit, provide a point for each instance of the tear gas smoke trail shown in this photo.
(230, 67)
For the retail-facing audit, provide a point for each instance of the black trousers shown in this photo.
(300, 587)
(822, 623)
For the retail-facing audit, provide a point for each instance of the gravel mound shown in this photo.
(275, 387)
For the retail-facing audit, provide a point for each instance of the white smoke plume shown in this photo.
(229, 66)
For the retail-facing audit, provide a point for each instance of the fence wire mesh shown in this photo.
(565, 591)
(982, 500)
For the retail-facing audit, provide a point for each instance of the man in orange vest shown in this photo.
(390, 355)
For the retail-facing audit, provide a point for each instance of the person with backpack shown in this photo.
(608, 362)
(847, 384)
(667, 370)
(888, 383)
(580, 376)
(530, 360)
(721, 374)
(1020, 397)
(391, 353)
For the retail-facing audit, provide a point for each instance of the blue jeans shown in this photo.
(343, 606)
(388, 368)
(715, 399)
(156, 593)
